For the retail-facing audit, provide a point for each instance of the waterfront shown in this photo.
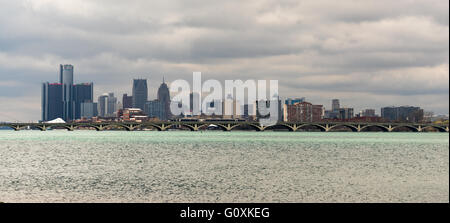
(216, 166)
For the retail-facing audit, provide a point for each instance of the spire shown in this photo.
(163, 80)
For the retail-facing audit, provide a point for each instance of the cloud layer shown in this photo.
(367, 53)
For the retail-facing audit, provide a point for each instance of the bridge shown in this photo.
(233, 125)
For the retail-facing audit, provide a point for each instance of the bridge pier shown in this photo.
(163, 127)
(294, 128)
(195, 128)
(99, 128)
(228, 128)
(390, 129)
(327, 128)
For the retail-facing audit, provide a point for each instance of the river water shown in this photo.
(215, 166)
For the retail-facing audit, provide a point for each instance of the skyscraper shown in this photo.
(335, 105)
(52, 101)
(140, 93)
(164, 98)
(66, 79)
(88, 109)
(112, 105)
(127, 101)
(82, 93)
(155, 109)
(102, 105)
(67, 103)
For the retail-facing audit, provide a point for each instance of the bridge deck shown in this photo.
(231, 125)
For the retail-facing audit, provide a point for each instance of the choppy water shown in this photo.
(90, 166)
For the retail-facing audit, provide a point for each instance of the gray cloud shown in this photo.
(368, 53)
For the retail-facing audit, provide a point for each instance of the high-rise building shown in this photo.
(52, 101)
(155, 109)
(367, 113)
(337, 112)
(71, 95)
(102, 105)
(402, 114)
(335, 105)
(317, 113)
(127, 101)
(66, 79)
(140, 93)
(164, 97)
(345, 113)
(88, 110)
(112, 105)
(304, 112)
(82, 93)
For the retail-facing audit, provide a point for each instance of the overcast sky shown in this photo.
(369, 54)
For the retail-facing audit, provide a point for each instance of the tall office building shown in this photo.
(346, 113)
(70, 95)
(82, 93)
(127, 101)
(102, 105)
(164, 97)
(402, 114)
(155, 109)
(66, 79)
(52, 101)
(140, 93)
(112, 105)
(335, 105)
(88, 110)
(367, 113)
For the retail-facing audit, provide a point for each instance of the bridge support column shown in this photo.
(163, 127)
(195, 128)
(327, 128)
(71, 128)
(390, 128)
(359, 128)
(262, 128)
(100, 128)
(446, 129)
(419, 129)
(294, 128)
(228, 128)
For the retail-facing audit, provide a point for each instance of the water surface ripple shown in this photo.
(211, 166)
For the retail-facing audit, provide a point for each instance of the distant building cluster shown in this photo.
(65, 99)
(74, 102)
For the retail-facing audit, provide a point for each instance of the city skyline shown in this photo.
(54, 105)
(361, 53)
